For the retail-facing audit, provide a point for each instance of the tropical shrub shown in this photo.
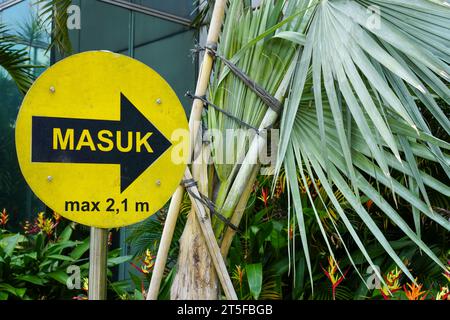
(34, 264)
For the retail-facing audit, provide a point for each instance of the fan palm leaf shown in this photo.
(360, 74)
(363, 118)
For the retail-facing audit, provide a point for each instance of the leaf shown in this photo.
(15, 61)
(59, 276)
(60, 257)
(138, 295)
(66, 234)
(80, 249)
(254, 277)
(9, 243)
(18, 292)
(118, 260)
(54, 13)
(295, 37)
(40, 281)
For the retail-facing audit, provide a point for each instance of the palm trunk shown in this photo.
(196, 277)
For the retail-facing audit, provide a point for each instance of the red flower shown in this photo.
(333, 275)
(415, 292)
(264, 196)
(4, 218)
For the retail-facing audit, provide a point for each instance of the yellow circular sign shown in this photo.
(100, 139)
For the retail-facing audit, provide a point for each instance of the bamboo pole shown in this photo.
(194, 124)
(98, 251)
(238, 213)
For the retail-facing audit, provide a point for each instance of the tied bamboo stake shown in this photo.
(194, 124)
(238, 213)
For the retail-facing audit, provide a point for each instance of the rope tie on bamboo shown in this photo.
(189, 184)
(207, 104)
(263, 94)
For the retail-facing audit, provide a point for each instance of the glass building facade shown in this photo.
(156, 32)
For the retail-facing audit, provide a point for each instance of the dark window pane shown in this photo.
(181, 8)
(103, 27)
(169, 55)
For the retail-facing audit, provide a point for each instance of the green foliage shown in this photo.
(355, 109)
(54, 16)
(270, 238)
(144, 239)
(35, 266)
(15, 61)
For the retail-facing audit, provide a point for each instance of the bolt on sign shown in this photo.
(96, 137)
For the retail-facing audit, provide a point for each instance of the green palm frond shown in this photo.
(54, 16)
(31, 31)
(353, 114)
(14, 60)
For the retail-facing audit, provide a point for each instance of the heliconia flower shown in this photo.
(147, 263)
(45, 225)
(238, 275)
(414, 292)
(4, 217)
(56, 216)
(264, 196)
(392, 285)
(444, 294)
(333, 275)
(369, 204)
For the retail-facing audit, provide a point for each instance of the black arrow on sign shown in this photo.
(132, 163)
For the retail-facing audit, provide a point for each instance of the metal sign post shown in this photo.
(98, 252)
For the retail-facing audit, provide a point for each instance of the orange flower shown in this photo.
(414, 292)
(238, 275)
(56, 216)
(333, 275)
(369, 204)
(4, 217)
(392, 283)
